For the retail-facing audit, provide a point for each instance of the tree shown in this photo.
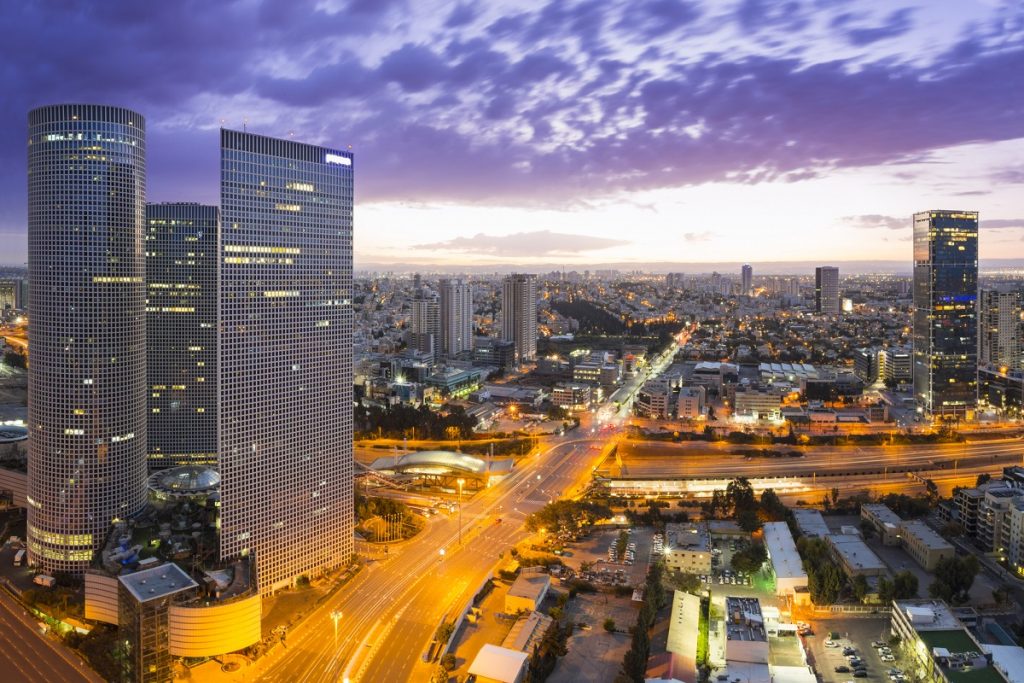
(609, 625)
(825, 583)
(747, 520)
(904, 585)
(448, 661)
(750, 559)
(983, 478)
(954, 577)
(772, 508)
(688, 583)
(860, 587)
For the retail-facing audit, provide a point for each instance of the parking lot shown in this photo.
(605, 570)
(860, 634)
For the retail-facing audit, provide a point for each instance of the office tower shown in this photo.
(826, 290)
(87, 376)
(945, 328)
(8, 295)
(456, 317)
(426, 322)
(999, 328)
(181, 333)
(285, 411)
(746, 280)
(519, 314)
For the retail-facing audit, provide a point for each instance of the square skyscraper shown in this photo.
(945, 316)
(285, 413)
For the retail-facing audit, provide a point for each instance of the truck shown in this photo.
(19, 558)
(44, 581)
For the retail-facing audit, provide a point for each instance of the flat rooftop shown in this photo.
(782, 551)
(158, 582)
(882, 513)
(811, 523)
(529, 585)
(928, 615)
(855, 553)
(687, 537)
(925, 534)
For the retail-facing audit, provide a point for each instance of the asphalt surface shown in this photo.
(27, 655)
(390, 611)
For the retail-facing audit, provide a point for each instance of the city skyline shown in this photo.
(525, 134)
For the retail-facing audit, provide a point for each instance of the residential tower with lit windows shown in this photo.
(285, 409)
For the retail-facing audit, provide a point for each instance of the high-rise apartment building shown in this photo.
(746, 280)
(285, 413)
(456, 317)
(519, 314)
(425, 335)
(999, 329)
(181, 333)
(826, 290)
(945, 329)
(87, 378)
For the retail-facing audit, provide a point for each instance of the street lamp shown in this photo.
(461, 483)
(335, 617)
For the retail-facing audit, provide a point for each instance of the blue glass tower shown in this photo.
(945, 313)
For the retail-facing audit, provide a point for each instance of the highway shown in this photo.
(27, 655)
(390, 610)
(701, 460)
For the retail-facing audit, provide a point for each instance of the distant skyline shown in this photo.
(570, 132)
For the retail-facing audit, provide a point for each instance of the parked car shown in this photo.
(842, 669)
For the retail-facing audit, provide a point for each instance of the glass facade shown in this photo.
(285, 422)
(181, 333)
(945, 313)
(87, 376)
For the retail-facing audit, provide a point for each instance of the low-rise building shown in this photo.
(572, 396)
(810, 523)
(854, 556)
(790, 577)
(746, 640)
(527, 592)
(688, 548)
(924, 544)
(885, 522)
(691, 403)
(496, 664)
(938, 647)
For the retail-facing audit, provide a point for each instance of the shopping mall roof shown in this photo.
(12, 433)
(186, 480)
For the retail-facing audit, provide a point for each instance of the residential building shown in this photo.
(425, 327)
(999, 329)
(182, 242)
(519, 315)
(691, 403)
(746, 280)
(945, 328)
(688, 548)
(926, 546)
(456, 319)
(87, 377)
(285, 451)
(826, 290)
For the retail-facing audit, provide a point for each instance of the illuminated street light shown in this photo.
(336, 617)
(460, 482)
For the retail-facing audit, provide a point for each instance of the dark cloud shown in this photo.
(538, 243)
(561, 101)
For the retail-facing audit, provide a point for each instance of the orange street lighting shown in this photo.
(461, 482)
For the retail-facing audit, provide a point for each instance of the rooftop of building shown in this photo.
(811, 522)
(687, 537)
(855, 553)
(158, 582)
(186, 480)
(925, 534)
(782, 551)
(530, 585)
(928, 615)
(882, 513)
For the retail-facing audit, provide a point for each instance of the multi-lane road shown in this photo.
(27, 655)
(388, 613)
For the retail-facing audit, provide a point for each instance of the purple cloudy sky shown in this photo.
(565, 131)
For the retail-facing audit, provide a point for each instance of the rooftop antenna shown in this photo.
(245, 124)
